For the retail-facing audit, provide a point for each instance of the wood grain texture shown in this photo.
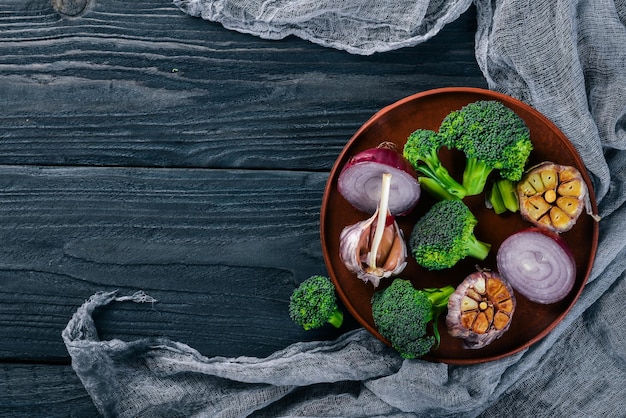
(53, 391)
(222, 250)
(142, 149)
(142, 84)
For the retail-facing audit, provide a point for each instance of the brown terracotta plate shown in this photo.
(426, 110)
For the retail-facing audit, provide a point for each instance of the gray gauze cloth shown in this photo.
(567, 58)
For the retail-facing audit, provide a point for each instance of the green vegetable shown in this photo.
(314, 303)
(493, 137)
(421, 150)
(503, 196)
(402, 315)
(445, 235)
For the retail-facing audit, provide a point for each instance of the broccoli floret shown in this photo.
(314, 303)
(493, 137)
(445, 235)
(421, 150)
(402, 315)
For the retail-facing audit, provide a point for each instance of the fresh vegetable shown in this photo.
(402, 314)
(314, 303)
(374, 248)
(538, 264)
(552, 196)
(422, 151)
(503, 196)
(480, 309)
(445, 235)
(493, 137)
(359, 180)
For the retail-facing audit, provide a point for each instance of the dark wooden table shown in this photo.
(142, 149)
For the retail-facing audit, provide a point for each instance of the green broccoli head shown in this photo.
(314, 303)
(493, 137)
(421, 150)
(445, 235)
(402, 315)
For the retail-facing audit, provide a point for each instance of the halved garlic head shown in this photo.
(370, 255)
(481, 308)
(552, 196)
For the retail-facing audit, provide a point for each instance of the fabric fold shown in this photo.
(361, 27)
(160, 377)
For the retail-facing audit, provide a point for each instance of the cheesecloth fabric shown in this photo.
(567, 58)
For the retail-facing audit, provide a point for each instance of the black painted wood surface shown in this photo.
(142, 149)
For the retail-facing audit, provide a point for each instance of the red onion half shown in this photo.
(359, 180)
(538, 264)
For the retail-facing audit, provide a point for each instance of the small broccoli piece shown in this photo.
(402, 315)
(421, 150)
(445, 235)
(493, 137)
(314, 303)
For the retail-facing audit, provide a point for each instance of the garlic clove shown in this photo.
(468, 303)
(355, 249)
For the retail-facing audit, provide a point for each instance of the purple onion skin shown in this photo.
(517, 267)
(388, 156)
(361, 175)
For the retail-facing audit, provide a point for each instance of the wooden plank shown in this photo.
(221, 250)
(32, 390)
(142, 84)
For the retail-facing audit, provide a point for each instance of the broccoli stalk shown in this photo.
(403, 313)
(444, 235)
(475, 175)
(493, 137)
(476, 248)
(314, 303)
(503, 196)
(421, 150)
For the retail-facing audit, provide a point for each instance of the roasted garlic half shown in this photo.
(552, 196)
(481, 308)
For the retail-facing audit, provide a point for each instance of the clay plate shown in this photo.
(426, 110)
